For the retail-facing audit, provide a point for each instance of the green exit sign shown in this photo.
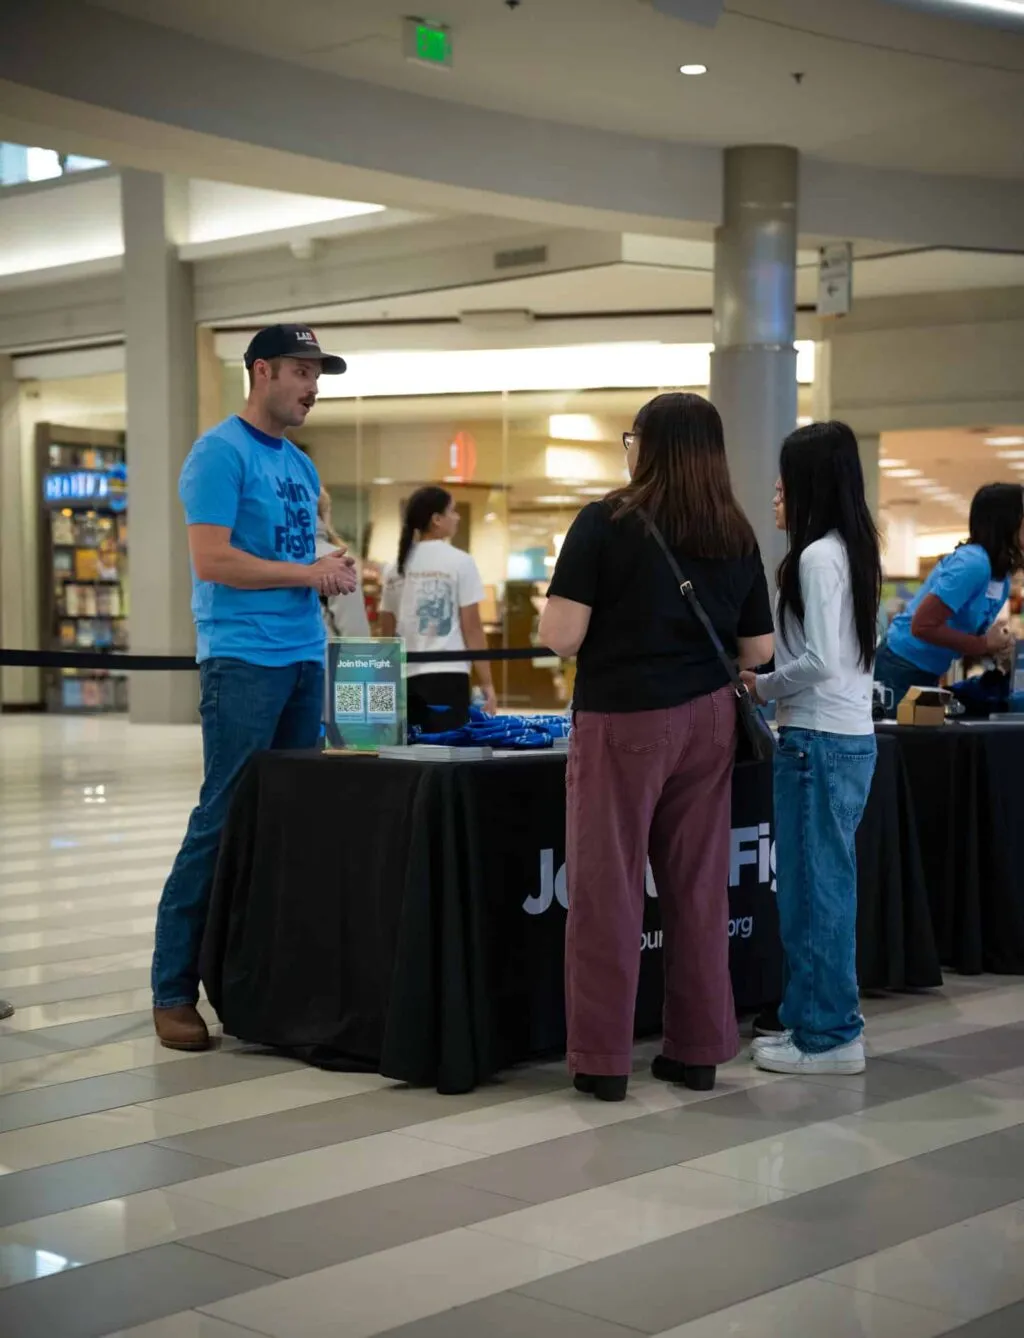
(428, 43)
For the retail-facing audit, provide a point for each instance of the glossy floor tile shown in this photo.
(360, 1298)
(102, 1230)
(817, 1307)
(620, 1216)
(967, 1269)
(155, 1194)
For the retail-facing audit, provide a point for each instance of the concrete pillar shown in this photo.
(160, 367)
(753, 367)
(19, 505)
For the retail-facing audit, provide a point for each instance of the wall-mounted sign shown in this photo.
(835, 280)
(461, 458)
(104, 488)
(427, 43)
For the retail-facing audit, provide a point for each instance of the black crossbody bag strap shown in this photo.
(690, 595)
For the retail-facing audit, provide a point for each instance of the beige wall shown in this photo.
(937, 360)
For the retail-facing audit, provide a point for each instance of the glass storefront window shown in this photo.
(520, 465)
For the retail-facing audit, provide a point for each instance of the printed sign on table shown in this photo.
(366, 707)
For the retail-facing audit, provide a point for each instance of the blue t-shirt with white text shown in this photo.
(265, 490)
(963, 581)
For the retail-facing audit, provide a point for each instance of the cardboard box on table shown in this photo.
(924, 707)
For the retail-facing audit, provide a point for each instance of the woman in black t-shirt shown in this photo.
(651, 758)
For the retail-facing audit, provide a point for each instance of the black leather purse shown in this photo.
(755, 741)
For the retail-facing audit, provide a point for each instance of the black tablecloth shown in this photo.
(895, 942)
(409, 917)
(968, 783)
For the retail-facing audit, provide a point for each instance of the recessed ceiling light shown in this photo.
(903, 473)
(693, 69)
(887, 462)
(1004, 441)
(1011, 455)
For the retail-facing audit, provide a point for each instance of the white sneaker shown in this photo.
(787, 1058)
(769, 1042)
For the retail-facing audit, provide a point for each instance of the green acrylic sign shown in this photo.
(366, 698)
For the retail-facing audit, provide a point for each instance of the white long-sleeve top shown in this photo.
(819, 682)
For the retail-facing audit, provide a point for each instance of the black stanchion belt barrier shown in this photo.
(118, 663)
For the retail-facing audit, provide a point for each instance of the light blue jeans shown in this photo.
(821, 787)
(245, 709)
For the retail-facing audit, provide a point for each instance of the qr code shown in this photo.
(381, 700)
(348, 701)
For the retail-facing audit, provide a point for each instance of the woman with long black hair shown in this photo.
(829, 589)
(955, 611)
(431, 599)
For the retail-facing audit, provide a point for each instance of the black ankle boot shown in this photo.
(605, 1088)
(697, 1077)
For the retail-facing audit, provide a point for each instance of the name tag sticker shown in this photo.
(995, 589)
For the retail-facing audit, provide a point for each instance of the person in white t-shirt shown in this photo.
(431, 598)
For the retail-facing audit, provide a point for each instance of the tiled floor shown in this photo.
(163, 1195)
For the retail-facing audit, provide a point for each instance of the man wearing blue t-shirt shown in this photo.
(250, 499)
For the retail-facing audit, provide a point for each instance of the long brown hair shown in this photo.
(682, 479)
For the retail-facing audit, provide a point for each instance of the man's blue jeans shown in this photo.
(245, 709)
(821, 786)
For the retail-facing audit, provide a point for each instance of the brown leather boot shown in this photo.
(181, 1028)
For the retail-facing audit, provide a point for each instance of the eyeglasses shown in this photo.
(629, 440)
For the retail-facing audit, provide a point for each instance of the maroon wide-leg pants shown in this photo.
(650, 784)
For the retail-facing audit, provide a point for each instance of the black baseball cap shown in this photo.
(292, 341)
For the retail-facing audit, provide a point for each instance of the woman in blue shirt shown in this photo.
(954, 613)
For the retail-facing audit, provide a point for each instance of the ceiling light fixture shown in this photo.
(887, 462)
(1015, 8)
(693, 69)
(1004, 441)
(903, 473)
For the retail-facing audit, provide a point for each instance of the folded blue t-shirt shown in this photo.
(265, 490)
(963, 581)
